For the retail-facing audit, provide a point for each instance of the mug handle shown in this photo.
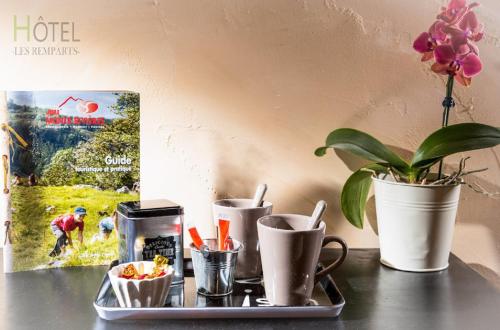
(328, 239)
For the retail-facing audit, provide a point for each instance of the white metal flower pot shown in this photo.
(415, 224)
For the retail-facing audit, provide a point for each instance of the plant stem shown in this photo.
(448, 103)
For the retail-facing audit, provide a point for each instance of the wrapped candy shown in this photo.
(130, 272)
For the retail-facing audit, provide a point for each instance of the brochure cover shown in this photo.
(73, 156)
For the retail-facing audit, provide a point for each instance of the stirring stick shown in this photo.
(318, 212)
(259, 195)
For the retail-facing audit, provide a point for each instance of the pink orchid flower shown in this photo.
(455, 11)
(462, 67)
(450, 41)
(426, 42)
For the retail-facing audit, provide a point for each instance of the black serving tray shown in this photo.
(246, 301)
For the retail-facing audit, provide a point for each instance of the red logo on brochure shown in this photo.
(83, 106)
(86, 108)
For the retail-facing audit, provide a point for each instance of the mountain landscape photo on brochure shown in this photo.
(74, 156)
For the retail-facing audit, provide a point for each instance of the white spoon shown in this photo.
(259, 195)
(316, 216)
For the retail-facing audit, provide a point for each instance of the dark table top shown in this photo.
(376, 298)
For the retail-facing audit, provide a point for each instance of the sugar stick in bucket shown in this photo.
(223, 232)
(195, 236)
(228, 244)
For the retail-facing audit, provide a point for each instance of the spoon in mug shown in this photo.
(316, 216)
(259, 195)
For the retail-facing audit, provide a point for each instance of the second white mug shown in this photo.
(243, 227)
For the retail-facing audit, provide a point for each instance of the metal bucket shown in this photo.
(214, 270)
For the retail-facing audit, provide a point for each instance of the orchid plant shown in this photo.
(450, 41)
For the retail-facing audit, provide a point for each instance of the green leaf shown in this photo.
(452, 139)
(363, 145)
(355, 193)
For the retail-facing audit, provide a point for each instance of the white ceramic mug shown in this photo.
(290, 253)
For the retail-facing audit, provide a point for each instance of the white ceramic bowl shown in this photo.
(141, 293)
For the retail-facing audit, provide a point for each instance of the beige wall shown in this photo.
(239, 92)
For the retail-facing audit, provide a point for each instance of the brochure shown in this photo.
(73, 156)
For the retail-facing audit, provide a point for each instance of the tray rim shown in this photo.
(219, 312)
